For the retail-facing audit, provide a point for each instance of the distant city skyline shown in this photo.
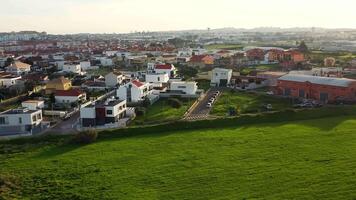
(123, 16)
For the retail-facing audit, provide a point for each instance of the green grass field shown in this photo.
(310, 159)
(247, 103)
(224, 47)
(161, 111)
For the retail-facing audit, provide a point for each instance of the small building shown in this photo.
(134, 91)
(69, 96)
(72, 68)
(60, 83)
(165, 68)
(221, 77)
(85, 65)
(8, 80)
(157, 78)
(323, 89)
(201, 61)
(189, 88)
(101, 113)
(114, 79)
(18, 67)
(20, 121)
(33, 104)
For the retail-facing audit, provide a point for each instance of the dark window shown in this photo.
(182, 87)
(20, 120)
(2, 120)
(287, 91)
(109, 112)
(301, 93)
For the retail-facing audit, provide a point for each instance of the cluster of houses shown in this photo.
(65, 86)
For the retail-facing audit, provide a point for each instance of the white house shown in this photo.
(134, 91)
(20, 120)
(18, 68)
(72, 68)
(165, 68)
(113, 79)
(7, 79)
(106, 62)
(184, 87)
(85, 65)
(157, 78)
(101, 113)
(69, 96)
(33, 104)
(221, 77)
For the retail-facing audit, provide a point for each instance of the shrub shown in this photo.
(86, 137)
(175, 103)
(140, 111)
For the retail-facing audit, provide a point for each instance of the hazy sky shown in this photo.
(99, 16)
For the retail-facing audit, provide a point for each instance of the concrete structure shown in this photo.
(183, 87)
(33, 104)
(60, 83)
(221, 77)
(69, 96)
(157, 78)
(72, 68)
(101, 113)
(8, 80)
(114, 79)
(20, 121)
(134, 91)
(19, 68)
(323, 89)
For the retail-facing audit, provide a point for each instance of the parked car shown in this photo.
(208, 105)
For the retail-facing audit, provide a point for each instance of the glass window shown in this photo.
(2, 120)
(109, 112)
(20, 120)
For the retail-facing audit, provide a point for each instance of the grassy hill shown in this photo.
(300, 159)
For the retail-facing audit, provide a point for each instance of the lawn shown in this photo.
(161, 111)
(247, 103)
(247, 70)
(310, 159)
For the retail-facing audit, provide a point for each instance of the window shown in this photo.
(20, 120)
(3, 120)
(39, 116)
(158, 79)
(287, 92)
(301, 93)
(109, 112)
(34, 118)
(182, 87)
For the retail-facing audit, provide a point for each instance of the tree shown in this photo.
(303, 47)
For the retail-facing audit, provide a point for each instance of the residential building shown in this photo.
(165, 68)
(201, 61)
(101, 113)
(85, 65)
(8, 80)
(134, 91)
(20, 121)
(157, 77)
(60, 83)
(221, 77)
(18, 67)
(189, 88)
(72, 68)
(69, 96)
(114, 79)
(323, 89)
(33, 104)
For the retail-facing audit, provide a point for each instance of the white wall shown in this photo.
(13, 119)
(112, 80)
(157, 78)
(33, 105)
(66, 99)
(85, 65)
(186, 87)
(88, 112)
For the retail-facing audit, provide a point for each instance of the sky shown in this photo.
(123, 16)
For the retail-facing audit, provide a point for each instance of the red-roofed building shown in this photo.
(134, 91)
(165, 69)
(69, 96)
(201, 60)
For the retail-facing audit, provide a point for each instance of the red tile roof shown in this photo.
(137, 83)
(197, 58)
(164, 66)
(69, 93)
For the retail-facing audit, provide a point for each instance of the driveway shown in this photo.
(65, 127)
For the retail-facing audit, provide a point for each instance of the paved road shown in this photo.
(66, 126)
(201, 111)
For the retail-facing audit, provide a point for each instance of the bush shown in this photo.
(86, 137)
(175, 103)
(140, 111)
